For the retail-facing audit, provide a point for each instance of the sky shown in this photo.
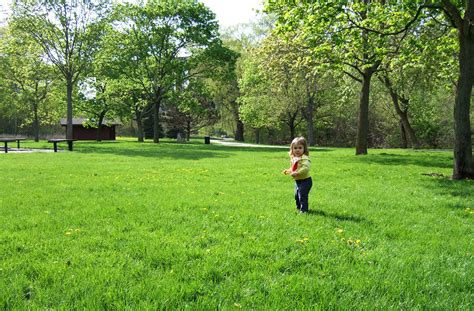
(228, 12)
(232, 12)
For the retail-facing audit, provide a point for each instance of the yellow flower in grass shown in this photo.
(354, 243)
(71, 231)
(339, 231)
(303, 240)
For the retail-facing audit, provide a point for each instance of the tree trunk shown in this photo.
(188, 130)
(69, 130)
(239, 131)
(101, 120)
(309, 116)
(463, 165)
(292, 127)
(156, 123)
(140, 133)
(36, 122)
(403, 135)
(402, 113)
(363, 124)
(409, 132)
(257, 135)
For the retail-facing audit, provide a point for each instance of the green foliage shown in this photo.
(27, 81)
(204, 227)
(159, 45)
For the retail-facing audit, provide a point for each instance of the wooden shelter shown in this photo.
(80, 131)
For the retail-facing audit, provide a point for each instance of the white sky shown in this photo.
(228, 12)
(231, 12)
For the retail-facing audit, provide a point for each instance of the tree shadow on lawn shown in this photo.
(463, 189)
(266, 149)
(442, 160)
(340, 217)
(190, 150)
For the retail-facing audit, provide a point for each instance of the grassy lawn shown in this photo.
(124, 225)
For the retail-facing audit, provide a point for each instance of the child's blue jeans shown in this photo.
(302, 188)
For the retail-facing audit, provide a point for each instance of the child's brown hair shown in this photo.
(299, 141)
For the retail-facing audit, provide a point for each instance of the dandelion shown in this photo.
(303, 240)
(339, 231)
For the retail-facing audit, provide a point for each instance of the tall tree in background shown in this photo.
(156, 45)
(242, 38)
(329, 29)
(28, 77)
(291, 67)
(68, 32)
(460, 15)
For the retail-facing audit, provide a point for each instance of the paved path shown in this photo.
(239, 144)
(21, 150)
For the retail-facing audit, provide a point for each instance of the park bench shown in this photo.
(7, 140)
(55, 142)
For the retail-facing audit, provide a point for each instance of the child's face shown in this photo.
(298, 150)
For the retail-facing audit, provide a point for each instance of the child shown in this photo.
(300, 165)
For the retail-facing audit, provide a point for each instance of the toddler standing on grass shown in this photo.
(299, 170)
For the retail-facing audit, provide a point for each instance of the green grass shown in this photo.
(125, 225)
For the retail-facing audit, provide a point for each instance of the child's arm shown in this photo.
(288, 171)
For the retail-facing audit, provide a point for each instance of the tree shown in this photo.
(98, 99)
(269, 94)
(461, 16)
(191, 108)
(158, 43)
(29, 81)
(327, 28)
(68, 32)
(242, 39)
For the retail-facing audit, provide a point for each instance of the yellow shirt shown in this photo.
(303, 166)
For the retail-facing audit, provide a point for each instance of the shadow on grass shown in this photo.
(167, 149)
(462, 191)
(189, 151)
(423, 159)
(339, 216)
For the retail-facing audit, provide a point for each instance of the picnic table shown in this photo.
(55, 142)
(7, 140)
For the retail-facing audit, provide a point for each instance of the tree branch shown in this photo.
(404, 29)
